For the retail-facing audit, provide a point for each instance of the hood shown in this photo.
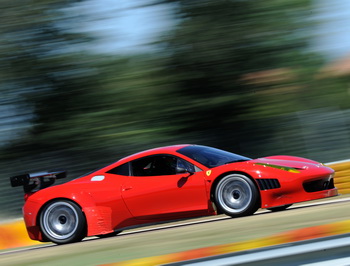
(291, 165)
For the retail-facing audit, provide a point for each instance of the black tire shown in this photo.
(236, 195)
(279, 208)
(62, 222)
(110, 234)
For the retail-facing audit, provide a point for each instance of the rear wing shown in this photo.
(36, 181)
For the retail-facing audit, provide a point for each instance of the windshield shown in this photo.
(211, 157)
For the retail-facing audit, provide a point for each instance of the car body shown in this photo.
(169, 183)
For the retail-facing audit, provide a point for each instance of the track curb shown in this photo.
(14, 235)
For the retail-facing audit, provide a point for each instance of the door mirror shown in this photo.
(183, 170)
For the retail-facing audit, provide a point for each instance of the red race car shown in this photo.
(164, 184)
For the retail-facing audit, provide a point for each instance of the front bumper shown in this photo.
(298, 189)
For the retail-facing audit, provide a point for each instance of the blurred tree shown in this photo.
(76, 102)
(41, 63)
(225, 58)
(43, 74)
(227, 72)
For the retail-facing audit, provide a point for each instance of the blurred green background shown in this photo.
(238, 75)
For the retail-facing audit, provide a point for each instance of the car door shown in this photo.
(155, 190)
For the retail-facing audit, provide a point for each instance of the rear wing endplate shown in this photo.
(36, 181)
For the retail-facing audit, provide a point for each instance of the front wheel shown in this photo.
(236, 195)
(62, 222)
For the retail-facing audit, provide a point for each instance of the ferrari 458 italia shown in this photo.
(163, 184)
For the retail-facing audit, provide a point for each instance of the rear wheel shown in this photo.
(62, 222)
(236, 195)
(279, 208)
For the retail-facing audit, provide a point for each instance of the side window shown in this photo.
(120, 170)
(186, 165)
(154, 166)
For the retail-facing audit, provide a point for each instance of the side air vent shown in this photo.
(265, 184)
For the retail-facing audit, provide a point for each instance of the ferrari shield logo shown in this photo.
(208, 172)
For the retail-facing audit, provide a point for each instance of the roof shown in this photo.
(166, 149)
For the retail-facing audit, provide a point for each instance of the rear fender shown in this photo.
(98, 218)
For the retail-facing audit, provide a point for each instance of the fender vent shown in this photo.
(265, 184)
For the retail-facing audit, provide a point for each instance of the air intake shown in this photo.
(265, 184)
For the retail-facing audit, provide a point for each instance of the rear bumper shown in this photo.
(30, 212)
(34, 233)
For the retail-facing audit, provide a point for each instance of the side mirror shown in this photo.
(182, 170)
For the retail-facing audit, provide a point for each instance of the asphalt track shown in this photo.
(317, 252)
(157, 227)
(146, 232)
